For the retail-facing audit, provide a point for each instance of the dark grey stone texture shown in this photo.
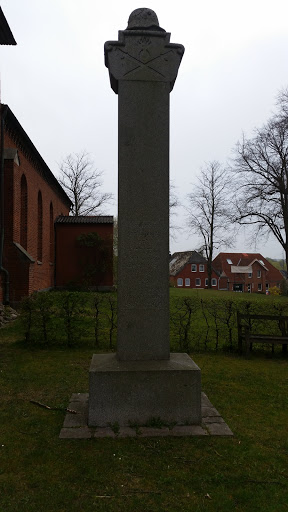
(126, 392)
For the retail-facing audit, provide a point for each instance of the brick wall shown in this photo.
(81, 265)
(197, 278)
(26, 272)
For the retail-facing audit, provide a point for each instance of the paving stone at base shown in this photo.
(219, 429)
(104, 432)
(205, 402)
(212, 419)
(76, 425)
(153, 432)
(75, 420)
(188, 430)
(126, 432)
(80, 406)
(209, 411)
(76, 433)
(79, 397)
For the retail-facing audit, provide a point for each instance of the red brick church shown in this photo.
(31, 201)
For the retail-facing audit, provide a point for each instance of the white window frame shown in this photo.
(187, 281)
(258, 274)
(259, 287)
(206, 281)
(267, 286)
(201, 268)
(194, 266)
(250, 275)
(197, 279)
(213, 281)
(179, 281)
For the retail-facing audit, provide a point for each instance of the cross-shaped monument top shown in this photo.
(143, 52)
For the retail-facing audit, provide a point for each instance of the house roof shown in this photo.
(24, 143)
(242, 258)
(84, 219)
(260, 261)
(178, 260)
(6, 36)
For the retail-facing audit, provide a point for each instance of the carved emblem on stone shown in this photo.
(144, 54)
(144, 41)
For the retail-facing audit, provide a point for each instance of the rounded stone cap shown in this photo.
(143, 18)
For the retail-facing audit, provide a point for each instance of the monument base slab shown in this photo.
(136, 392)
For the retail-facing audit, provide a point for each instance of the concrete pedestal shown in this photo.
(135, 391)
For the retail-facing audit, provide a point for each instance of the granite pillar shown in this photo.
(142, 378)
(143, 221)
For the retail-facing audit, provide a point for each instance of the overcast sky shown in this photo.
(55, 82)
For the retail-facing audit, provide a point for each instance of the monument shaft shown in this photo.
(143, 66)
(143, 221)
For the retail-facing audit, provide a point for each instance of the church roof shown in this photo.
(6, 36)
(84, 219)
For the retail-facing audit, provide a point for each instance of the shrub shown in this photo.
(274, 290)
(197, 321)
(37, 316)
(72, 310)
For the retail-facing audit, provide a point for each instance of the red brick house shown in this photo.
(31, 199)
(189, 270)
(244, 272)
(84, 251)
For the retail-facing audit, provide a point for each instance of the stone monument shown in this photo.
(143, 380)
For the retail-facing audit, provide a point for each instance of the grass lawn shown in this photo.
(39, 472)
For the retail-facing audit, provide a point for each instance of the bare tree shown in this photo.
(83, 182)
(209, 213)
(282, 104)
(261, 166)
(173, 199)
(174, 204)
